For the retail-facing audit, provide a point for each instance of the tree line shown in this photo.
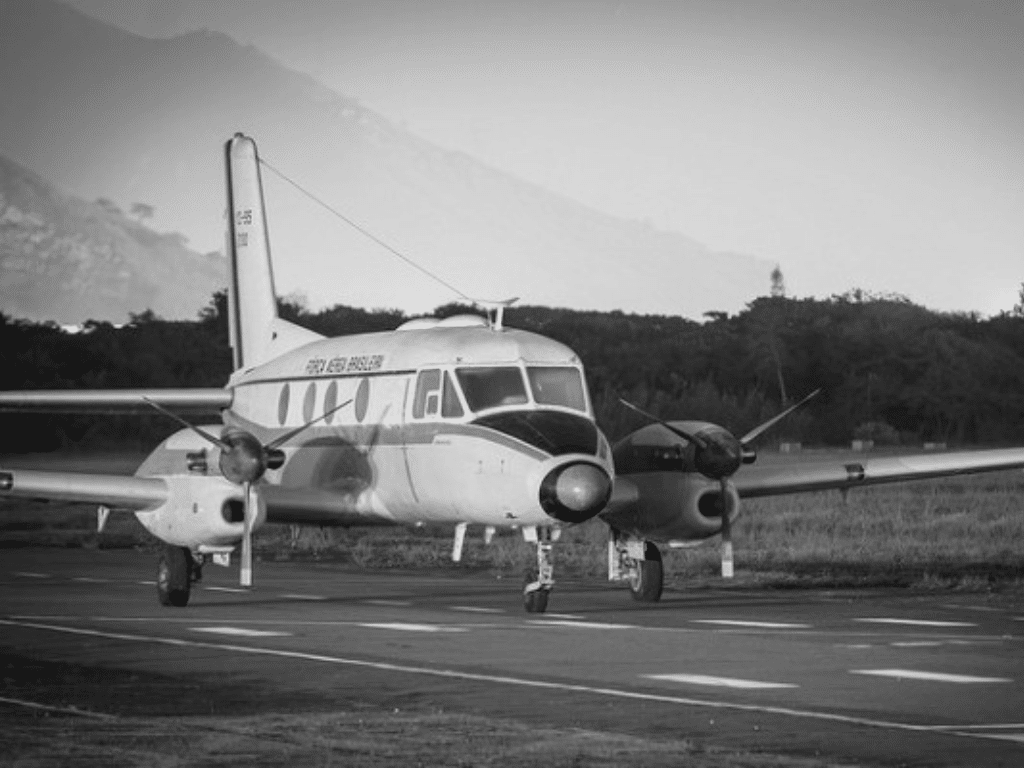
(890, 370)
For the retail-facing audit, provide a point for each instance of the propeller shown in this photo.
(717, 456)
(243, 461)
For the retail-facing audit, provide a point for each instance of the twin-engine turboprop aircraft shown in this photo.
(460, 421)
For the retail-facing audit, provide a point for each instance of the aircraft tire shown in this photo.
(536, 601)
(173, 576)
(649, 580)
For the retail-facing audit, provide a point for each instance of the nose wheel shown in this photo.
(540, 580)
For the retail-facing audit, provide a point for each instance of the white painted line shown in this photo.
(524, 682)
(240, 632)
(753, 624)
(225, 589)
(983, 727)
(90, 580)
(32, 575)
(404, 627)
(290, 596)
(570, 616)
(937, 677)
(855, 646)
(918, 622)
(475, 609)
(987, 608)
(918, 644)
(1015, 737)
(148, 583)
(1018, 618)
(389, 603)
(64, 710)
(579, 624)
(722, 682)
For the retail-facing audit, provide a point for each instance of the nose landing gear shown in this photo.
(540, 579)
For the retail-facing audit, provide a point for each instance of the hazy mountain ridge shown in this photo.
(151, 125)
(65, 259)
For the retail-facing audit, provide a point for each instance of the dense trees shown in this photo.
(888, 367)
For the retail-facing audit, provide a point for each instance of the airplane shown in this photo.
(459, 421)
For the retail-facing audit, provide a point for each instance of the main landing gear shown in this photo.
(637, 562)
(175, 572)
(540, 579)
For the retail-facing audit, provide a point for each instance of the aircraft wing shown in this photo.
(116, 400)
(120, 491)
(754, 481)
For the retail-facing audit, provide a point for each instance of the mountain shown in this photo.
(103, 112)
(65, 259)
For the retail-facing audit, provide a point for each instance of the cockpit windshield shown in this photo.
(557, 386)
(492, 387)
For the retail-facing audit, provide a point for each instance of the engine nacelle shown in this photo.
(670, 506)
(200, 509)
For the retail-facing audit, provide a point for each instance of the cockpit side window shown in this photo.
(557, 385)
(492, 387)
(451, 408)
(427, 398)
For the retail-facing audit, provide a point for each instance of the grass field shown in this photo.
(963, 532)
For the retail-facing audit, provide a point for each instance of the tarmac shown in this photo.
(868, 676)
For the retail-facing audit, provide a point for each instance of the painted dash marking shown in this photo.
(406, 627)
(475, 609)
(32, 575)
(389, 603)
(225, 589)
(917, 622)
(720, 682)
(296, 596)
(936, 677)
(579, 624)
(240, 632)
(752, 624)
(89, 580)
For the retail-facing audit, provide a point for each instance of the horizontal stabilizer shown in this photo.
(116, 400)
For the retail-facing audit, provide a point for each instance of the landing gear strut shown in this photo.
(637, 562)
(541, 579)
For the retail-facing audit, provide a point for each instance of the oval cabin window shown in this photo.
(331, 401)
(309, 403)
(282, 405)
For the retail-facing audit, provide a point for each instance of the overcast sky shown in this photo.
(859, 143)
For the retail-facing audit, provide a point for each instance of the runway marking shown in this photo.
(475, 609)
(987, 608)
(64, 710)
(724, 682)
(938, 677)
(389, 603)
(856, 646)
(918, 622)
(754, 624)
(225, 589)
(148, 583)
(290, 596)
(580, 624)
(240, 632)
(524, 682)
(918, 644)
(564, 616)
(404, 627)
(90, 580)
(32, 575)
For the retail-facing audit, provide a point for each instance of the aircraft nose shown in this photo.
(576, 492)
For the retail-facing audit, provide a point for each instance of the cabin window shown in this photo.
(451, 408)
(309, 404)
(331, 401)
(492, 387)
(282, 405)
(427, 399)
(557, 386)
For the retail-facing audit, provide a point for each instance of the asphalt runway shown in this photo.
(873, 676)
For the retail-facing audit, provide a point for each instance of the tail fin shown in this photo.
(257, 333)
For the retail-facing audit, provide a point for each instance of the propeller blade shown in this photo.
(759, 430)
(727, 570)
(695, 439)
(289, 435)
(245, 570)
(201, 432)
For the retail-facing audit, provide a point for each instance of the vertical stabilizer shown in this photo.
(257, 334)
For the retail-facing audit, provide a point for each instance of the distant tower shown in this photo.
(778, 290)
